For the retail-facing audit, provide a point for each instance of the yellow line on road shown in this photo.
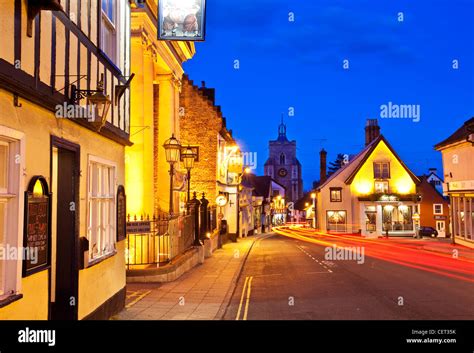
(137, 300)
(242, 299)
(249, 289)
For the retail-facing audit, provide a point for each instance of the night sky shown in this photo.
(299, 64)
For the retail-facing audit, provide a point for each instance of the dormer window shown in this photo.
(381, 170)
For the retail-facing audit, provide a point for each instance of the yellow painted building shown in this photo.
(155, 111)
(50, 65)
(373, 193)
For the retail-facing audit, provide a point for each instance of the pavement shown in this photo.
(201, 294)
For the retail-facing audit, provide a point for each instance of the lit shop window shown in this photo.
(397, 218)
(336, 221)
(101, 221)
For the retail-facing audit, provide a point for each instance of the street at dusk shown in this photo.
(168, 163)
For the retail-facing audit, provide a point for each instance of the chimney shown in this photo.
(432, 170)
(322, 167)
(372, 130)
(203, 84)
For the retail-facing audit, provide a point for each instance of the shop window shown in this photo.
(101, 221)
(397, 218)
(335, 194)
(381, 187)
(438, 208)
(336, 221)
(381, 170)
(370, 218)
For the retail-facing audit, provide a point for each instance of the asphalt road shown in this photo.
(289, 279)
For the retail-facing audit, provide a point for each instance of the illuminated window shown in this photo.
(335, 194)
(381, 170)
(101, 208)
(381, 187)
(336, 220)
(438, 208)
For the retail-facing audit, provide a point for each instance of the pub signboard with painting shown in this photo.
(183, 20)
(37, 229)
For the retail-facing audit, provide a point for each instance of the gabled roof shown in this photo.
(358, 161)
(459, 135)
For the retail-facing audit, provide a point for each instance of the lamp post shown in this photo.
(172, 149)
(189, 157)
(313, 196)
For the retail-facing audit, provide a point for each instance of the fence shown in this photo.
(158, 240)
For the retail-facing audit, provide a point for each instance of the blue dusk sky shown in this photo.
(299, 64)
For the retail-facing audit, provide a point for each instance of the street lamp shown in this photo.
(188, 156)
(313, 196)
(172, 149)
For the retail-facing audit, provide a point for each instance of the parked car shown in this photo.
(427, 232)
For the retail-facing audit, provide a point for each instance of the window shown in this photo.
(381, 170)
(438, 208)
(381, 187)
(101, 208)
(282, 159)
(109, 29)
(335, 194)
(10, 186)
(336, 221)
(397, 218)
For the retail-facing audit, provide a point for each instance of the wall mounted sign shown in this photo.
(138, 227)
(121, 213)
(37, 227)
(183, 20)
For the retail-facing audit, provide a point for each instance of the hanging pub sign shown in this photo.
(37, 230)
(182, 20)
(121, 214)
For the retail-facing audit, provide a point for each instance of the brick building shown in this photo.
(203, 127)
(434, 208)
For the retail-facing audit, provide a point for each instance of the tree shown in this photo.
(337, 164)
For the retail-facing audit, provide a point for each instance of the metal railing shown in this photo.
(158, 240)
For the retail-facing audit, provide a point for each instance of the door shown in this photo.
(64, 271)
(440, 227)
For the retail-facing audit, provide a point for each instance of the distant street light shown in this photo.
(188, 156)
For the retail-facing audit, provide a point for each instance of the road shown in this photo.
(287, 277)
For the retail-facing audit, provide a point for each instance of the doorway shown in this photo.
(64, 262)
(440, 227)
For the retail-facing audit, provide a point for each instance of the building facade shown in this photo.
(62, 157)
(283, 166)
(433, 207)
(155, 108)
(458, 165)
(373, 194)
(218, 169)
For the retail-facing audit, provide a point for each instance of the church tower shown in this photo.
(283, 166)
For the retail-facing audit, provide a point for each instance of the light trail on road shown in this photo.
(405, 255)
